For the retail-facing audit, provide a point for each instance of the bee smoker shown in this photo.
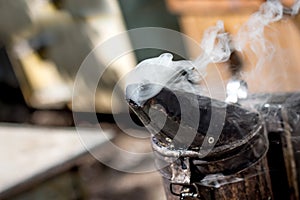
(256, 155)
(236, 167)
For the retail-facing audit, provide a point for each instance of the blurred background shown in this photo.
(42, 46)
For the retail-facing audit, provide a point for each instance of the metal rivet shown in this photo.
(168, 140)
(211, 140)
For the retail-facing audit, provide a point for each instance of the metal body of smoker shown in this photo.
(254, 157)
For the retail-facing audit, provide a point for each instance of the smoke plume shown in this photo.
(151, 75)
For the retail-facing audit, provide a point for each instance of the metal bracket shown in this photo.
(187, 191)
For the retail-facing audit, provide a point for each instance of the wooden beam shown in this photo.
(217, 7)
(208, 7)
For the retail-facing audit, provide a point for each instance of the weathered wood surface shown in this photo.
(29, 155)
(281, 112)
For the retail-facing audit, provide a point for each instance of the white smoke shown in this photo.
(151, 75)
(296, 8)
(217, 47)
(251, 34)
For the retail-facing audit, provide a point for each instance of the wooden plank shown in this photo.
(217, 7)
(208, 7)
(30, 155)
